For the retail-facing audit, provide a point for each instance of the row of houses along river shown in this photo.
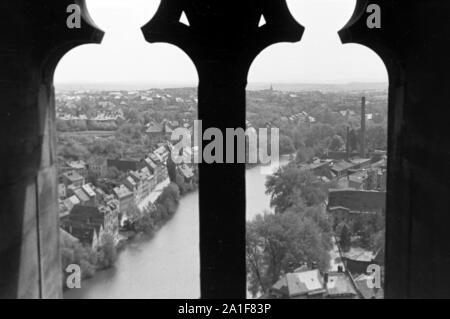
(166, 266)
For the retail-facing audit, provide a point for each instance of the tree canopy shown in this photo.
(290, 183)
(280, 243)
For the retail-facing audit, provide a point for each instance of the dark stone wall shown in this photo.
(33, 36)
(413, 43)
(357, 200)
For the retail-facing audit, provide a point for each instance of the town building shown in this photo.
(72, 178)
(360, 163)
(320, 168)
(150, 164)
(88, 189)
(125, 165)
(98, 166)
(163, 153)
(358, 180)
(340, 285)
(78, 166)
(364, 289)
(148, 181)
(160, 171)
(70, 202)
(160, 130)
(312, 284)
(357, 200)
(142, 182)
(357, 260)
(132, 185)
(84, 198)
(341, 168)
(89, 223)
(125, 198)
(155, 130)
(300, 285)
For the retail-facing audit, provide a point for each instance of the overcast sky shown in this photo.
(124, 56)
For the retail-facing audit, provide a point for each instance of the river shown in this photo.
(166, 266)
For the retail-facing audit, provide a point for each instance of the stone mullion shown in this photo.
(221, 97)
(222, 40)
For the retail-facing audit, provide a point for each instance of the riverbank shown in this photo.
(164, 206)
(165, 265)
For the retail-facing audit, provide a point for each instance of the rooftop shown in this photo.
(81, 195)
(150, 162)
(359, 160)
(359, 254)
(154, 128)
(122, 191)
(77, 164)
(363, 288)
(88, 188)
(307, 282)
(341, 166)
(72, 176)
(340, 284)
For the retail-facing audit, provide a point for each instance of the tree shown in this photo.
(167, 202)
(328, 117)
(371, 225)
(337, 142)
(131, 115)
(298, 138)
(353, 140)
(319, 133)
(377, 137)
(107, 253)
(345, 238)
(62, 126)
(320, 217)
(378, 118)
(170, 193)
(73, 252)
(304, 154)
(286, 145)
(146, 223)
(290, 180)
(92, 176)
(74, 150)
(129, 133)
(280, 243)
(377, 240)
(172, 169)
(113, 173)
(133, 213)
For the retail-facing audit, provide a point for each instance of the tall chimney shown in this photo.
(363, 128)
(347, 145)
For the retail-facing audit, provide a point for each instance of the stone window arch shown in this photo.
(412, 42)
(306, 77)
